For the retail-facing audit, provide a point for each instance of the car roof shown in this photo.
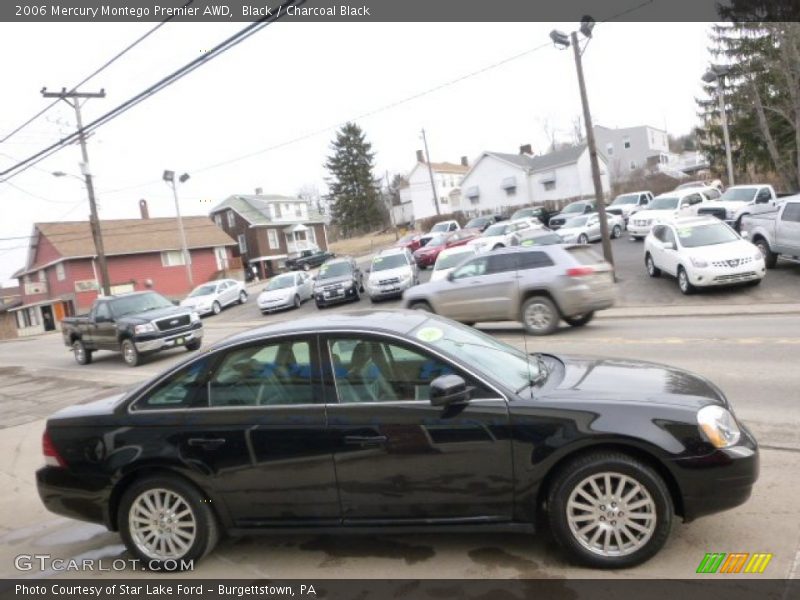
(370, 321)
(457, 250)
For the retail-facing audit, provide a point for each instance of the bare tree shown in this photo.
(578, 132)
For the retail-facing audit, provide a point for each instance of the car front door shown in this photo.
(593, 228)
(470, 295)
(670, 256)
(787, 229)
(102, 329)
(249, 423)
(401, 460)
(230, 292)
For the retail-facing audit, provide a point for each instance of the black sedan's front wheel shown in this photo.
(166, 523)
(609, 510)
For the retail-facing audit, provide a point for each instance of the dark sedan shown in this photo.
(398, 421)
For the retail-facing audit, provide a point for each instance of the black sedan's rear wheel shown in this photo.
(609, 510)
(82, 355)
(165, 523)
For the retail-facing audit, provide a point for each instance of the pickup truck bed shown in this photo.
(776, 233)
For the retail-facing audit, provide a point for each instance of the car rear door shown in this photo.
(400, 460)
(787, 229)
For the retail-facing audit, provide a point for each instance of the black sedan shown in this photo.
(339, 280)
(397, 421)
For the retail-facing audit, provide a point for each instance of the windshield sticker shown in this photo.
(430, 334)
(322, 269)
(684, 232)
(528, 243)
(377, 259)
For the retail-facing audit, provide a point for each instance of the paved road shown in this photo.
(751, 360)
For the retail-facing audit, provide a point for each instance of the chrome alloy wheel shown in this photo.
(538, 316)
(162, 524)
(611, 514)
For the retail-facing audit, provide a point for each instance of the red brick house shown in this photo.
(61, 275)
(269, 229)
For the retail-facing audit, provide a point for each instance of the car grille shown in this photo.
(173, 322)
(556, 223)
(735, 277)
(614, 211)
(733, 263)
(389, 281)
(713, 211)
(333, 288)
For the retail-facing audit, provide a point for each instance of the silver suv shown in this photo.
(538, 286)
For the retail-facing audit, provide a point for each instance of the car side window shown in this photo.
(534, 260)
(669, 237)
(501, 263)
(186, 388)
(103, 311)
(473, 268)
(273, 374)
(366, 370)
(643, 199)
(791, 212)
(658, 232)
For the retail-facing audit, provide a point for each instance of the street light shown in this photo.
(561, 40)
(718, 73)
(169, 177)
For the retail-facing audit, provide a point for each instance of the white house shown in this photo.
(628, 149)
(447, 179)
(498, 181)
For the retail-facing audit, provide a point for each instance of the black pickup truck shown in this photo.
(133, 324)
(309, 259)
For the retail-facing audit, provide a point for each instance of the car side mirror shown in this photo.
(446, 390)
(450, 276)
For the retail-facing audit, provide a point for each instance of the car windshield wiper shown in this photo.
(541, 376)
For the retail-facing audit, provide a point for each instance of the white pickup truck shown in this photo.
(741, 200)
(776, 233)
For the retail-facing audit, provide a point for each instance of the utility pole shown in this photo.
(391, 207)
(430, 172)
(598, 184)
(94, 221)
(169, 177)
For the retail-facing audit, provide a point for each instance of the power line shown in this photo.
(96, 72)
(220, 48)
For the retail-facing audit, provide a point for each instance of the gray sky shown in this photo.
(300, 80)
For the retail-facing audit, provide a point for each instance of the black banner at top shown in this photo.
(302, 11)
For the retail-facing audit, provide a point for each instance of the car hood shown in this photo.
(731, 250)
(195, 300)
(428, 250)
(276, 294)
(656, 215)
(621, 380)
(487, 240)
(320, 283)
(376, 276)
(571, 231)
(154, 315)
(726, 204)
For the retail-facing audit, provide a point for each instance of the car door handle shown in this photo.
(365, 440)
(206, 442)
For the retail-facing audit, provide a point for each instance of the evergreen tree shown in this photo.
(354, 195)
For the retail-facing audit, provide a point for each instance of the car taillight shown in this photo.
(51, 456)
(579, 271)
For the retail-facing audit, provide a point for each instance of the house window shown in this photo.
(42, 277)
(512, 191)
(312, 235)
(277, 211)
(272, 235)
(60, 271)
(33, 316)
(231, 221)
(218, 220)
(298, 210)
(610, 149)
(633, 165)
(549, 185)
(626, 142)
(172, 258)
(242, 244)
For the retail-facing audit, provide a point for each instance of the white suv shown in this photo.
(702, 252)
(391, 273)
(666, 207)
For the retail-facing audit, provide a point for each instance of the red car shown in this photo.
(412, 242)
(426, 256)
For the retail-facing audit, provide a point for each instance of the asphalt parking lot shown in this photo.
(746, 357)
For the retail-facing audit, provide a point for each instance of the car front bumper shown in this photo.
(718, 481)
(347, 295)
(712, 276)
(267, 307)
(378, 292)
(638, 230)
(173, 340)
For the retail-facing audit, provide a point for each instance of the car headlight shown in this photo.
(719, 426)
(145, 328)
(194, 317)
(698, 262)
(758, 255)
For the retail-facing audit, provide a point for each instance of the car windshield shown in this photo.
(525, 212)
(281, 282)
(738, 194)
(479, 351)
(541, 240)
(480, 222)
(440, 227)
(128, 305)
(390, 261)
(626, 199)
(666, 203)
(436, 240)
(499, 229)
(203, 290)
(451, 260)
(406, 239)
(331, 270)
(574, 208)
(575, 222)
(706, 235)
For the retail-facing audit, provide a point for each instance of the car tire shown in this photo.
(242, 297)
(81, 354)
(579, 320)
(588, 477)
(583, 239)
(684, 285)
(197, 516)
(194, 345)
(539, 316)
(129, 352)
(297, 301)
(319, 306)
(216, 308)
(770, 258)
(651, 267)
(423, 306)
(616, 232)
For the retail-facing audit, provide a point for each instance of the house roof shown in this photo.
(545, 161)
(133, 236)
(253, 208)
(446, 167)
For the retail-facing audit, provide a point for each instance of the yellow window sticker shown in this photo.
(430, 334)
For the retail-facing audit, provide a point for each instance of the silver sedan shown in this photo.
(212, 297)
